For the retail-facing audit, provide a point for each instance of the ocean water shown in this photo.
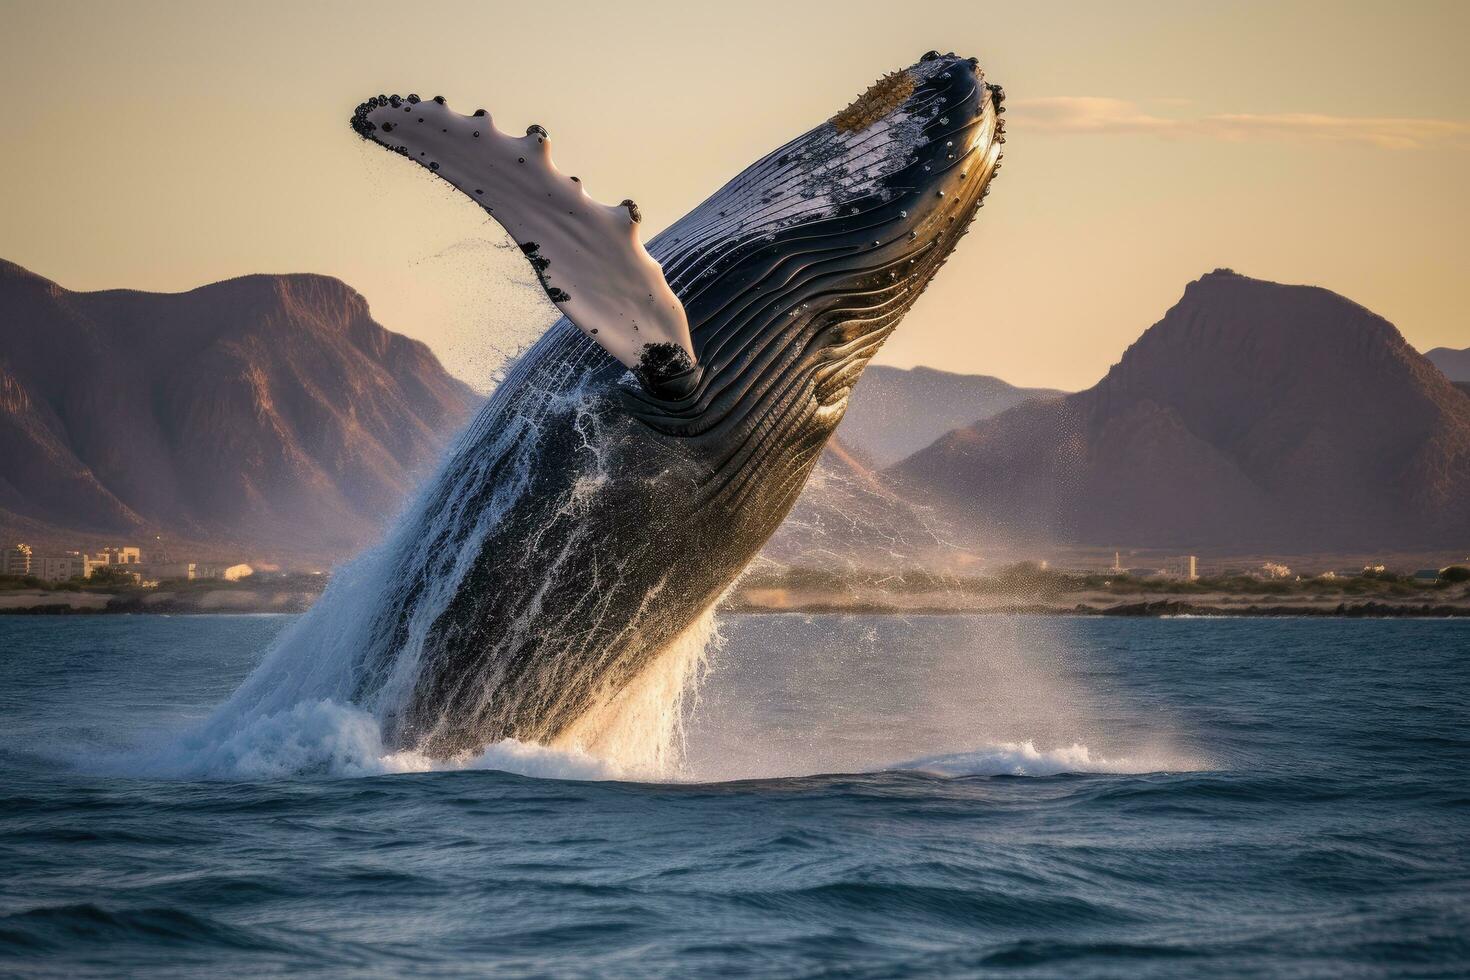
(858, 797)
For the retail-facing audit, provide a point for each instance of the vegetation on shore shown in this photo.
(1029, 587)
(119, 593)
(1032, 580)
(115, 581)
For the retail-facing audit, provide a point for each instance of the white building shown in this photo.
(186, 570)
(229, 573)
(17, 560)
(57, 567)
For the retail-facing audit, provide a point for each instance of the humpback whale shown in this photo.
(639, 454)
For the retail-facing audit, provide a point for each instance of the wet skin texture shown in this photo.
(621, 514)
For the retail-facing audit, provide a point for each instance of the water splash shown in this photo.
(325, 697)
(641, 728)
(331, 739)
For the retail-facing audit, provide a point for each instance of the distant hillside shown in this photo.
(895, 412)
(1454, 363)
(1254, 415)
(268, 412)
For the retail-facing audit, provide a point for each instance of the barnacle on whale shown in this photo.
(881, 98)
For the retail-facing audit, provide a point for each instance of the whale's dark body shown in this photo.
(583, 523)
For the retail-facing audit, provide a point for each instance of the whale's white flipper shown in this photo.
(588, 255)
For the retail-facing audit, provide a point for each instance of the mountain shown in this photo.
(268, 413)
(895, 412)
(1454, 363)
(1253, 415)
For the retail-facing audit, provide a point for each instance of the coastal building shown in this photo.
(17, 560)
(90, 563)
(226, 573)
(1185, 567)
(123, 556)
(111, 558)
(58, 566)
(160, 570)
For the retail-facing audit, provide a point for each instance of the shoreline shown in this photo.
(236, 602)
(191, 602)
(1160, 609)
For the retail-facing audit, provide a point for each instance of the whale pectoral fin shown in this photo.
(588, 256)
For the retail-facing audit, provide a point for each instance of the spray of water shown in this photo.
(642, 728)
(324, 694)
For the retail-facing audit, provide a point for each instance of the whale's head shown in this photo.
(795, 272)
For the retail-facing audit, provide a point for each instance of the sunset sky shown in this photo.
(161, 146)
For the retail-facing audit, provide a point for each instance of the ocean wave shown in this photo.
(329, 739)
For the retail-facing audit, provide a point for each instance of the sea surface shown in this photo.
(859, 797)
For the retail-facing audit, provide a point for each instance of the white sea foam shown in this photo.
(333, 740)
(330, 739)
(1025, 759)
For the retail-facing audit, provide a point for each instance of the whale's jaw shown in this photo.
(818, 249)
(797, 270)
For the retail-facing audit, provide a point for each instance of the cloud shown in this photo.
(1098, 115)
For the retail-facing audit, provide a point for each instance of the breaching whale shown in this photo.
(636, 458)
